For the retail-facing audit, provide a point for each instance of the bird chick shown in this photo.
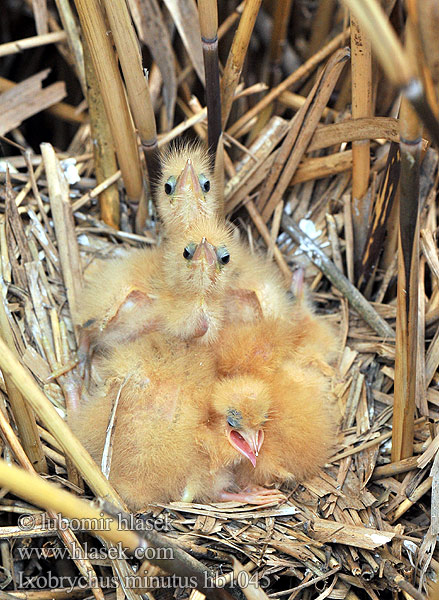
(234, 434)
(177, 431)
(177, 288)
(300, 430)
(158, 393)
(186, 190)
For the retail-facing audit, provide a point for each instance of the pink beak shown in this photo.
(206, 253)
(248, 443)
(188, 182)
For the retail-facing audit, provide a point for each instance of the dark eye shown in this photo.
(170, 185)
(234, 418)
(204, 182)
(188, 252)
(232, 421)
(223, 255)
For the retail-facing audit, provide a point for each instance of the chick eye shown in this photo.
(204, 182)
(233, 422)
(189, 251)
(234, 418)
(170, 185)
(223, 255)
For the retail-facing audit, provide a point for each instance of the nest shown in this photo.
(367, 525)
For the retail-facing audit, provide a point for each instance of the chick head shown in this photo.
(186, 190)
(201, 260)
(241, 406)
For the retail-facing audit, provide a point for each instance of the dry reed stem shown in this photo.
(208, 12)
(301, 72)
(136, 82)
(64, 227)
(236, 57)
(406, 373)
(375, 24)
(32, 42)
(113, 96)
(23, 415)
(70, 540)
(302, 133)
(103, 147)
(71, 28)
(361, 66)
(46, 495)
(319, 258)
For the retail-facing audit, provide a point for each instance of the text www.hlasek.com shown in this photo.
(84, 551)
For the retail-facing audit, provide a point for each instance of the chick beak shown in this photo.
(247, 442)
(205, 255)
(188, 182)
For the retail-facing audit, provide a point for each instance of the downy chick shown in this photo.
(177, 288)
(301, 428)
(178, 432)
(184, 193)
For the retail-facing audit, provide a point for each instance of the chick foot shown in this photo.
(254, 495)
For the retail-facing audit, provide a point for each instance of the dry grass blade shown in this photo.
(381, 211)
(301, 72)
(153, 33)
(237, 54)
(69, 23)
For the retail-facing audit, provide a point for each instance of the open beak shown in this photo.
(188, 182)
(247, 442)
(205, 253)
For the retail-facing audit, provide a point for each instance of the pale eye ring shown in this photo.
(223, 255)
(233, 422)
(189, 251)
(170, 185)
(204, 182)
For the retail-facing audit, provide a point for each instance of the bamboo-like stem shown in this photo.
(208, 12)
(113, 95)
(136, 82)
(237, 54)
(322, 262)
(301, 72)
(48, 496)
(103, 145)
(361, 107)
(393, 59)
